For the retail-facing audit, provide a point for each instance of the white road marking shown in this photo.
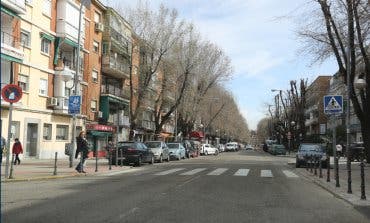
(169, 171)
(120, 172)
(217, 171)
(192, 172)
(266, 173)
(289, 174)
(242, 172)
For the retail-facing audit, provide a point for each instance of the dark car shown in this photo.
(133, 152)
(356, 151)
(277, 149)
(307, 150)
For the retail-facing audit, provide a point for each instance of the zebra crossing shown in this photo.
(263, 173)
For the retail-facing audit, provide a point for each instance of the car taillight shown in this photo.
(131, 150)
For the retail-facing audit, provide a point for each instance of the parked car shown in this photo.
(160, 150)
(308, 150)
(277, 149)
(221, 148)
(231, 146)
(177, 150)
(356, 151)
(208, 149)
(248, 147)
(133, 152)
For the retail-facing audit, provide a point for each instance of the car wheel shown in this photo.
(161, 159)
(297, 163)
(138, 162)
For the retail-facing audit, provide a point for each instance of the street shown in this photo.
(244, 186)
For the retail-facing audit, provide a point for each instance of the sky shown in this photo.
(260, 38)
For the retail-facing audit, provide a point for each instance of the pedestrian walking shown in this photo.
(2, 149)
(339, 150)
(17, 149)
(82, 149)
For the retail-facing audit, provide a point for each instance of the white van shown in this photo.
(231, 146)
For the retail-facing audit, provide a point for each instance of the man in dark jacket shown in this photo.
(82, 148)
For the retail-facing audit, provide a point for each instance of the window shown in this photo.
(23, 82)
(15, 129)
(43, 90)
(25, 38)
(46, 7)
(93, 104)
(45, 45)
(97, 17)
(47, 131)
(105, 48)
(94, 76)
(96, 46)
(62, 132)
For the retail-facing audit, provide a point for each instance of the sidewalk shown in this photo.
(341, 192)
(39, 169)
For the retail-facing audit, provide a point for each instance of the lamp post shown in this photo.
(85, 3)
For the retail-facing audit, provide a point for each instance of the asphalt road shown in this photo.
(245, 186)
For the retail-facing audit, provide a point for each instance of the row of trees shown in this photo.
(341, 29)
(188, 73)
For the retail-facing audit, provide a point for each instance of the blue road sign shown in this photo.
(74, 104)
(333, 104)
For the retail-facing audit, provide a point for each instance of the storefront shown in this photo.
(98, 136)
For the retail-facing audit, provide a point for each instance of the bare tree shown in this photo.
(345, 25)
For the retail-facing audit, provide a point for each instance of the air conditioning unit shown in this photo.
(100, 114)
(99, 27)
(51, 102)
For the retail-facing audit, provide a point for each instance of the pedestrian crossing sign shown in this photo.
(333, 104)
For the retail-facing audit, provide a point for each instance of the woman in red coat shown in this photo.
(17, 149)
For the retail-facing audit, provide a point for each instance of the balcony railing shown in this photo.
(120, 65)
(120, 39)
(112, 90)
(148, 125)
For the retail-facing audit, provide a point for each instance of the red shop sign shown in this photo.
(97, 127)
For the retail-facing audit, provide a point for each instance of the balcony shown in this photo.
(114, 91)
(148, 125)
(67, 20)
(10, 47)
(120, 42)
(116, 67)
(18, 6)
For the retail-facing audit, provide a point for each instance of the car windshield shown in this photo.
(127, 144)
(307, 148)
(173, 145)
(153, 144)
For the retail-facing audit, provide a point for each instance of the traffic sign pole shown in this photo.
(8, 141)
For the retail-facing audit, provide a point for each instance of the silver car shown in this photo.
(159, 149)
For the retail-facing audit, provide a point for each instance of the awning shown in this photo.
(196, 134)
(47, 36)
(99, 133)
(10, 58)
(70, 42)
(9, 12)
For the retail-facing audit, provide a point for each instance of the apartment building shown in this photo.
(316, 120)
(46, 37)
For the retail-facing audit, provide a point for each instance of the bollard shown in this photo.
(336, 172)
(363, 196)
(55, 163)
(311, 167)
(320, 168)
(96, 160)
(306, 161)
(315, 163)
(328, 168)
(110, 159)
(11, 167)
(121, 152)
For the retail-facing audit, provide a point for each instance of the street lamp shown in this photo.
(292, 124)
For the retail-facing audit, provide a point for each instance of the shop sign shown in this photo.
(97, 127)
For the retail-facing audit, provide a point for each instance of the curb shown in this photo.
(348, 199)
(53, 177)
